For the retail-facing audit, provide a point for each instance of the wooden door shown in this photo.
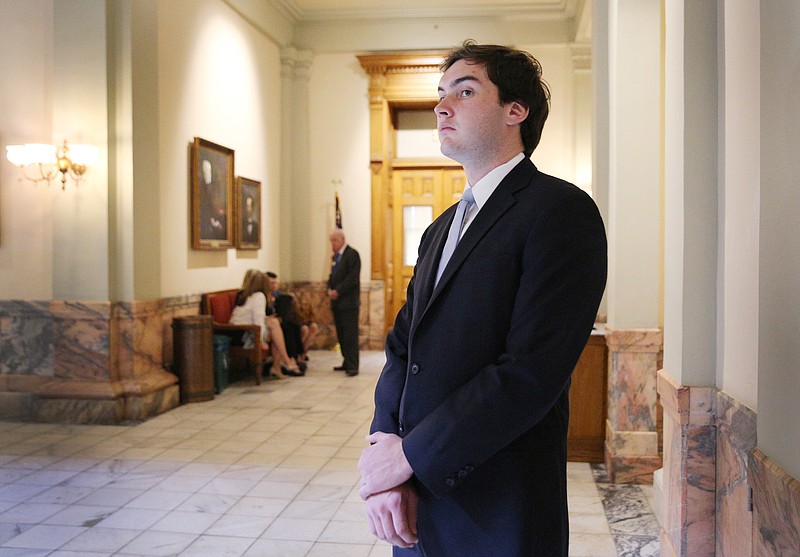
(587, 404)
(419, 195)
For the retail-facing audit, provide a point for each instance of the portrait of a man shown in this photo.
(248, 200)
(212, 195)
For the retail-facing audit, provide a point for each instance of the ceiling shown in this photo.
(318, 10)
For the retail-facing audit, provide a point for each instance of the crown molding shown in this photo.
(553, 9)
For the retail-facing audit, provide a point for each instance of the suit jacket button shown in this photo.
(449, 482)
(401, 427)
(414, 369)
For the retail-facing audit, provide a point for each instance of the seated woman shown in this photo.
(251, 308)
(285, 310)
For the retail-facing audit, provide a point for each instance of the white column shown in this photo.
(134, 195)
(634, 217)
(628, 54)
(80, 115)
(690, 184)
(740, 202)
(295, 201)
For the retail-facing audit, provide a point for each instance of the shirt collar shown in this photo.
(486, 185)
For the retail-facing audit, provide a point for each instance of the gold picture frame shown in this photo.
(212, 195)
(248, 213)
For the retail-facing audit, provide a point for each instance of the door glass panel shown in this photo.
(416, 218)
(416, 134)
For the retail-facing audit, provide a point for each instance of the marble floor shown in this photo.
(260, 471)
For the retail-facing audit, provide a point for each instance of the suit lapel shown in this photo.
(425, 274)
(496, 206)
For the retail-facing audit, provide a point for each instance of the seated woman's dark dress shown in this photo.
(284, 309)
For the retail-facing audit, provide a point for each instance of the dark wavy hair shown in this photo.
(518, 77)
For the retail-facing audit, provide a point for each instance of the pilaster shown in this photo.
(632, 451)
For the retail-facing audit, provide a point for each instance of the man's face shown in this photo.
(336, 242)
(273, 283)
(469, 114)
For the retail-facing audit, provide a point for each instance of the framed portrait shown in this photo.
(212, 195)
(248, 213)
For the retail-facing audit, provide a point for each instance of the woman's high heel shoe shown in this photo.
(291, 372)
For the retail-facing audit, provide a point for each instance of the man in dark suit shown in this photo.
(467, 454)
(344, 290)
(249, 232)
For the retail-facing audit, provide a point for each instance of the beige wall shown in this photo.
(339, 147)
(219, 80)
(217, 77)
(26, 211)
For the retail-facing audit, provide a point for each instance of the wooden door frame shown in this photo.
(396, 80)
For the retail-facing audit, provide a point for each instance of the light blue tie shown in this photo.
(456, 227)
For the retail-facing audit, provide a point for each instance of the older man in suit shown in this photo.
(344, 291)
(467, 452)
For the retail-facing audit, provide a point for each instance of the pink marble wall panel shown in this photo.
(98, 361)
(82, 339)
(26, 338)
(632, 420)
(776, 501)
(141, 341)
(700, 533)
(736, 439)
(371, 336)
(633, 359)
(674, 487)
(689, 469)
(632, 391)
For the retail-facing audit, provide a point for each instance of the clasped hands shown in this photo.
(391, 500)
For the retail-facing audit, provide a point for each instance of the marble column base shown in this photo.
(631, 469)
(88, 362)
(688, 527)
(632, 447)
(776, 508)
(736, 440)
(92, 411)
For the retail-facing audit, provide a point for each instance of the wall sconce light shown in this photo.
(39, 162)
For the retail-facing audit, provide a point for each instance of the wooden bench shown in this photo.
(219, 305)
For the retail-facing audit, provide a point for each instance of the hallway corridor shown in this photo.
(260, 471)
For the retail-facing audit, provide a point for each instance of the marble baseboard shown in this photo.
(106, 411)
(736, 440)
(104, 362)
(776, 506)
(15, 406)
(631, 469)
(88, 362)
(689, 468)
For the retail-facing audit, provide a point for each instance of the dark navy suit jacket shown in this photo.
(345, 279)
(478, 368)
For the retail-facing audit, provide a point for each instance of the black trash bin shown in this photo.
(193, 357)
(222, 349)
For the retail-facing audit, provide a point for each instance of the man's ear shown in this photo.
(517, 112)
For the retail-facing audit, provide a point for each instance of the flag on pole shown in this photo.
(338, 212)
